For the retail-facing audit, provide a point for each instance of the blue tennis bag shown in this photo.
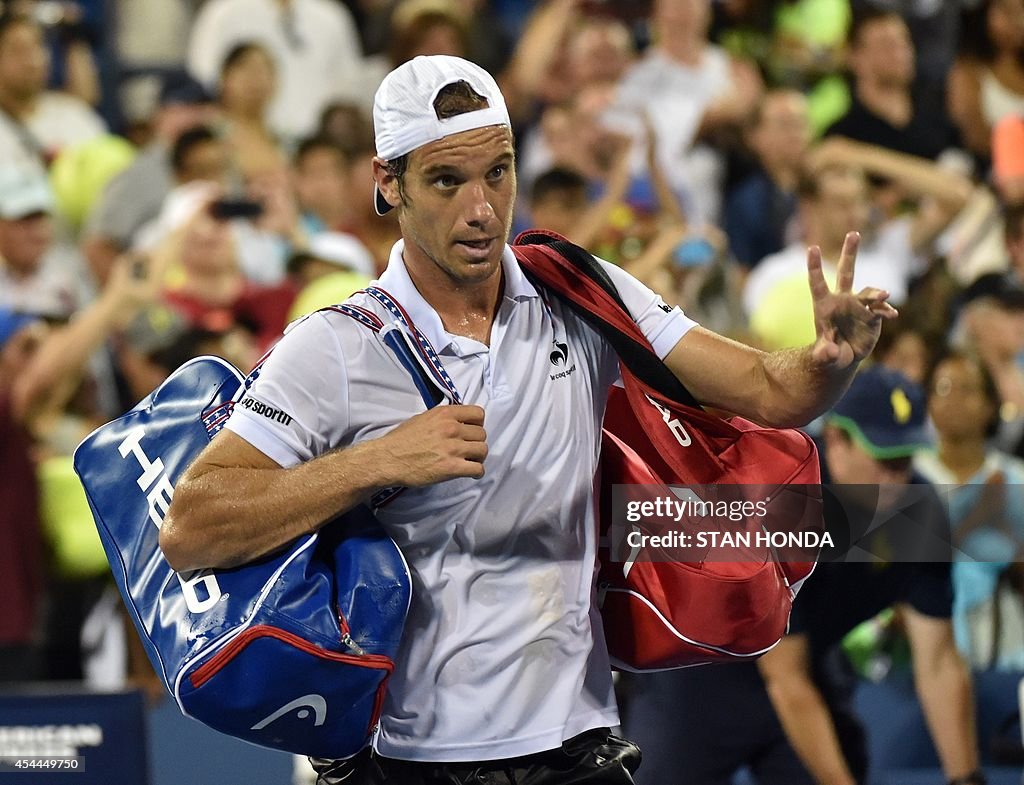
(293, 651)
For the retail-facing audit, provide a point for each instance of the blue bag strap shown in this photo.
(434, 386)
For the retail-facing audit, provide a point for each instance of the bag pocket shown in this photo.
(328, 701)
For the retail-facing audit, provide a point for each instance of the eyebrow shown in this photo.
(439, 169)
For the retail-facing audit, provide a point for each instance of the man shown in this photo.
(134, 197)
(697, 96)
(885, 108)
(35, 123)
(760, 210)
(37, 274)
(320, 171)
(789, 718)
(503, 668)
(833, 198)
(22, 565)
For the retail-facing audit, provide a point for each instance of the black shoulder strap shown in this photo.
(640, 360)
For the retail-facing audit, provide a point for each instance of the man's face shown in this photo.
(24, 63)
(957, 401)
(841, 207)
(884, 52)
(206, 161)
(684, 16)
(320, 179)
(1006, 24)
(24, 241)
(784, 131)
(455, 203)
(600, 51)
(560, 211)
(850, 464)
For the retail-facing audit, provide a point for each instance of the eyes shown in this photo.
(445, 182)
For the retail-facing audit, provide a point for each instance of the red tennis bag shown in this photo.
(662, 612)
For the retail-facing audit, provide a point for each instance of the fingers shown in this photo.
(469, 415)
(472, 433)
(847, 262)
(875, 300)
(474, 452)
(469, 457)
(825, 352)
(816, 278)
(442, 443)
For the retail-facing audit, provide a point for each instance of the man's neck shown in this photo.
(19, 273)
(216, 287)
(683, 50)
(465, 309)
(20, 107)
(889, 101)
(963, 457)
(784, 176)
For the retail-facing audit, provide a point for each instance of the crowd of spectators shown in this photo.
(190, 181)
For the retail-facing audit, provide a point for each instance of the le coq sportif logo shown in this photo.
(560, 356)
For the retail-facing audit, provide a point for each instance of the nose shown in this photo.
(479, 212)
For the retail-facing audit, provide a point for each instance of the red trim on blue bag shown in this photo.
(209, 669)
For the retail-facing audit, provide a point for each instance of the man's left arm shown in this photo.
(943, 685)
(789, 387)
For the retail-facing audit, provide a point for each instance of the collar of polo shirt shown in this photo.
(396, 281)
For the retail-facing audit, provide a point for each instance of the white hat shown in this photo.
(343, 250)
(403, 107)
(24, 191)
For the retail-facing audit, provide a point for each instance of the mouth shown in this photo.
(477, 249)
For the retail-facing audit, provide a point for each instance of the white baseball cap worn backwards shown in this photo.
(403, 107)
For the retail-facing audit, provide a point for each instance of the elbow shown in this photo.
(180, 541)
(174, 544)
(780, 411)
(783, 417)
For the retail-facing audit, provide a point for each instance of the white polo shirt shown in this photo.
(503, 653)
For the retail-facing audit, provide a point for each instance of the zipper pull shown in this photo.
(346, 638)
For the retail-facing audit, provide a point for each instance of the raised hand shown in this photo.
(440, 444)
(847, 325)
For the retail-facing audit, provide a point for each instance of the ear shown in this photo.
(387, 183)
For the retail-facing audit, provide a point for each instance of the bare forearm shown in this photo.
(947, 700)
(808, 725)
(235, 504)
(226, 516)
(798, 388)
(918, 175)
(61, 356)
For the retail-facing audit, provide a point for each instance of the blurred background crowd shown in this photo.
(183, 177)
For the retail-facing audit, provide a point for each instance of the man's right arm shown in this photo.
(235, 504)
(802, 711)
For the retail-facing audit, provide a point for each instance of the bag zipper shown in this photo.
(209, 669)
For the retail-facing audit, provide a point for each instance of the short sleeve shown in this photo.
(296, 406)
(662, 324)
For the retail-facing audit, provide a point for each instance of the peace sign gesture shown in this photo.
(847, 325)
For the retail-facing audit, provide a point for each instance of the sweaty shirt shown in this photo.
(503, 653)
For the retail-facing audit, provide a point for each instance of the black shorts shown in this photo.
(595, 757)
